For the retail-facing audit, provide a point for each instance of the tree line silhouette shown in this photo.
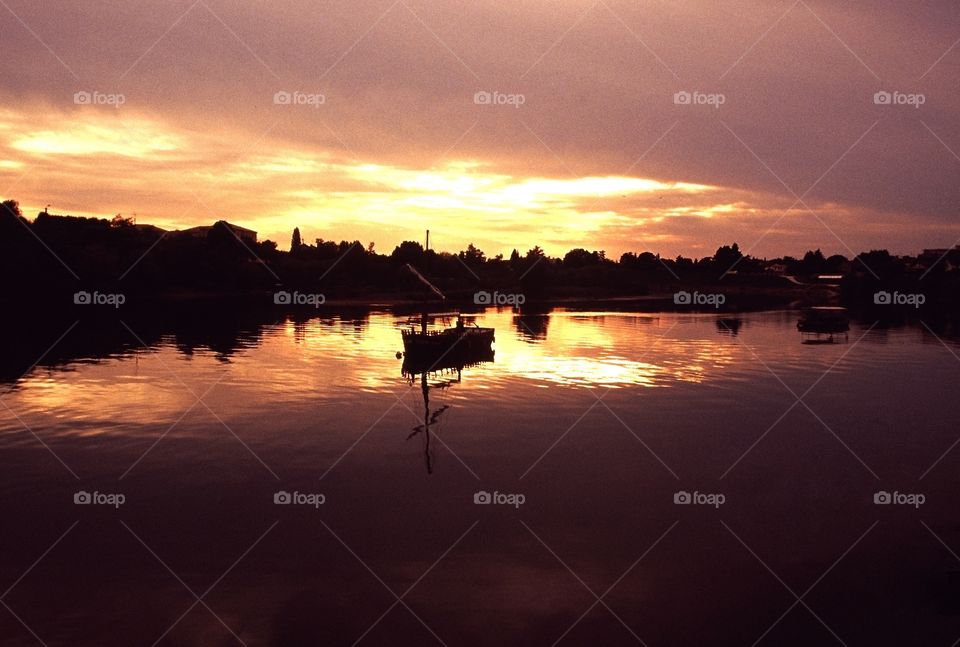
(57, 255)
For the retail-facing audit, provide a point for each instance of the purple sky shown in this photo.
(399, 144)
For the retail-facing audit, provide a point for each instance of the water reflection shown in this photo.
(729, 325)
(114, 376)
(439, 374)
(316, 394)
(825, 340)
(282, 357)
(532, 324)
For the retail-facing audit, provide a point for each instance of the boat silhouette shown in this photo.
(824, 320)
(424, 345)
(444, 353)
(439, 373)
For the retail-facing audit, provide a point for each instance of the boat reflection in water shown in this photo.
(729, 325)
(440, 366)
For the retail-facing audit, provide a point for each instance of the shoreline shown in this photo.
(739, 300)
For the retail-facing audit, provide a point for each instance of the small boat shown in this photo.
(460, 338)
(434, 345)
(824, 319)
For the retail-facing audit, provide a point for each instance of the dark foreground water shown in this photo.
(597, 423)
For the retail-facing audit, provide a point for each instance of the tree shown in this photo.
(580, 257)
(119, 221)
(534, 269)
(473, 256)
(409, 251)
(10, 215)
(295, 241)
(813, 263)
(648, 260)
(682, 264)
(836, 263)
(10, 207)
(535, 254)
(726, 257)
(879, 262)
(326, 248)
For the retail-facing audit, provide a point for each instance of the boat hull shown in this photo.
(826, 320)
(467, 339)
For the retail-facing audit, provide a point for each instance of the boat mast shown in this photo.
(424, 280)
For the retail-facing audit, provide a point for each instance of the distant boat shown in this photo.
(824, 319)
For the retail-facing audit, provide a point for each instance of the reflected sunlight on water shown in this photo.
(331, 359)
(597, 418)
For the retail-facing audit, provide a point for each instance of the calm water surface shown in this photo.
(598, 419)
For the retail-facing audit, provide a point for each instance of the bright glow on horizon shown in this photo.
(180, 118)
(177, 178)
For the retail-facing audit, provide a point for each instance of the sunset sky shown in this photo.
(386, 138)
